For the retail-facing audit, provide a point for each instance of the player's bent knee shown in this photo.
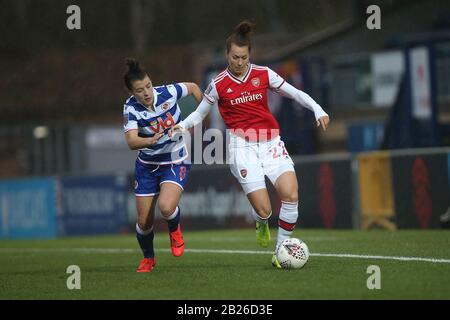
(293, 197)
(144, 226)
(264, 212)
(167, 210)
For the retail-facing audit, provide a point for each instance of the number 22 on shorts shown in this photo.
(279, 150)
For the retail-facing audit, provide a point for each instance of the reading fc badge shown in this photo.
(165, 106)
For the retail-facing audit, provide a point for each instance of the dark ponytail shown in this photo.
(241, 35)
(134, 72)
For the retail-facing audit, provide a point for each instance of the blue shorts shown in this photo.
(149, 177)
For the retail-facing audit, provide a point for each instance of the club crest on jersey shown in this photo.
(243, 173)
(255, 82)
(157, 125)
(165, 106)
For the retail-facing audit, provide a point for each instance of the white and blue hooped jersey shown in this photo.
(166, 114)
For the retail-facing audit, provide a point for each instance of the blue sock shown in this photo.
(145, 239)
(174, 221)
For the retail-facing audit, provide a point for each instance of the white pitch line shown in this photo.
(359, 256)
(334, 255)
(224, 251)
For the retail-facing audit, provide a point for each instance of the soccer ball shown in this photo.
(292, 253)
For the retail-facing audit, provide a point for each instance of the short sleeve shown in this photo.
(275, 81)
(211, 94)
(178, 90)
(129, 119)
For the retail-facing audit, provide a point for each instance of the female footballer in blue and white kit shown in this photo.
(160, 169)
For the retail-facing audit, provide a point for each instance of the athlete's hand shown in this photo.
(175, 129)
(323, 122)
(153, 140)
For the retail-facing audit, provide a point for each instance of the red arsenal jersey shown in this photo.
(243, 102)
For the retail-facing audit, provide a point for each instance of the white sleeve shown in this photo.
(302, 98)
(129, 119)
(275, 81)
(178, 90)
(211, 94)
(198, 115)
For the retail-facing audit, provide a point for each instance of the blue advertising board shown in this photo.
(365, 136)
(28, 208)
(92, 205)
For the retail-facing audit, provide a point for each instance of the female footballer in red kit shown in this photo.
(256, 149)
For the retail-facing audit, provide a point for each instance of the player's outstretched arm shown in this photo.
(289, 91)
(135, 142)
(193, 119)
(323, 122)
(194, 90)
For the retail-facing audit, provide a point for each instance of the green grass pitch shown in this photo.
(228, 264)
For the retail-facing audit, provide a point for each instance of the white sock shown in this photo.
(173, 214)
(260, 219)
(287, 220)
(143, 232)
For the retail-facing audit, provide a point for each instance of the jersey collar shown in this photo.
(155, 99)
(244, 78)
